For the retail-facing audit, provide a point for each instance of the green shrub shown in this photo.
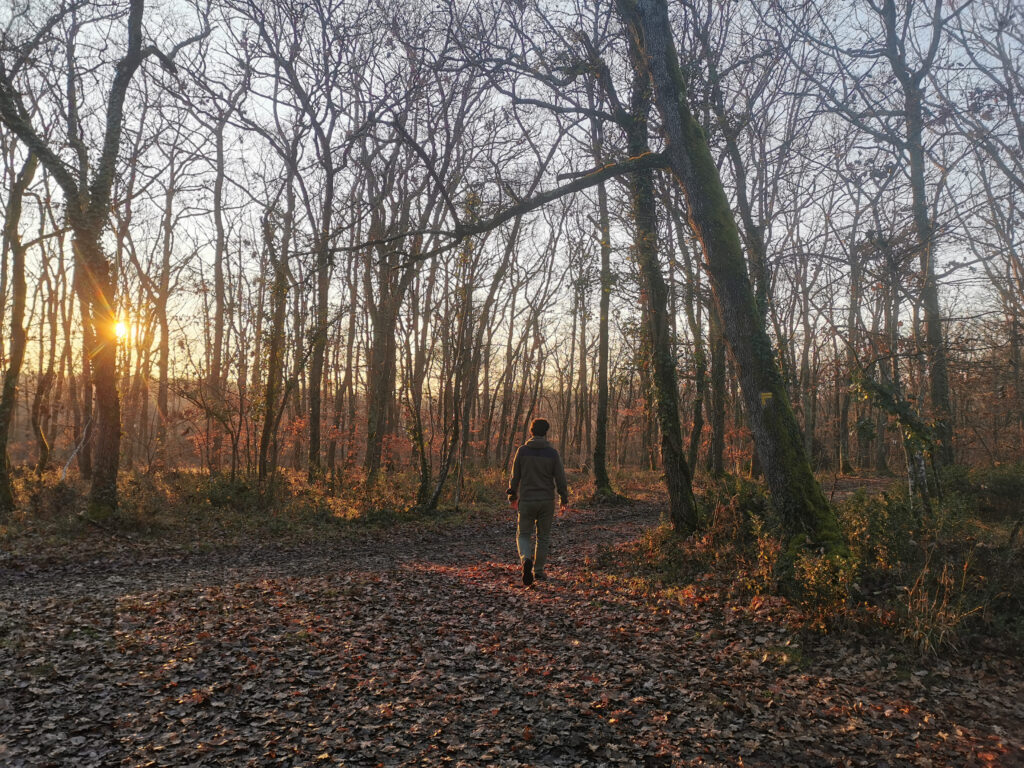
(54, 501)
(879, 529)
(223, 492)
(1000, 490)
(1005, 481)
(822, 585)
(729, 508)
(661, 557)
(957, 478)
(764, 576)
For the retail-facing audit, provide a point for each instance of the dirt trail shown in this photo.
(423, 649)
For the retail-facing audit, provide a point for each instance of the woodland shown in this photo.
(284, 282)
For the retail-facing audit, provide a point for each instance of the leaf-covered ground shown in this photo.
(424, 649)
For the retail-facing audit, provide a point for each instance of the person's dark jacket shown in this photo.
(536, 472)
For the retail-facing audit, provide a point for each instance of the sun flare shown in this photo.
(121, 329)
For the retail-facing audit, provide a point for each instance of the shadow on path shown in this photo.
(423, 649)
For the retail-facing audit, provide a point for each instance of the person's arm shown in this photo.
(513, 483)
(560, 483)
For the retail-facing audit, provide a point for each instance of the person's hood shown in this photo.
(537, 442)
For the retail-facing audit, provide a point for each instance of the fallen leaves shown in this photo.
(430, 652)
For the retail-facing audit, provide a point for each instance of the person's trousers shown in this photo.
(535, 516)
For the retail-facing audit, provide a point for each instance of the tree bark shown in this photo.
(852, 342)
(380, 386)
(8, 396)
(682, 505)
(602, 483)
(276, 346)
(691, 308)
(215, 376)
(98, 291)
(913, 98)
(796, 494)
(716, 451)
(88, 206)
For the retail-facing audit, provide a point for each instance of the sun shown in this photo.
(121, 329)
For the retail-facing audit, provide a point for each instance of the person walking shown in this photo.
(537, 472)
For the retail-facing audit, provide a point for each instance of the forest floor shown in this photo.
(420, 646)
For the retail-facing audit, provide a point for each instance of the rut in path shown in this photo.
(424, 649)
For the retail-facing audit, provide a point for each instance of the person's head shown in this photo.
(539, 427)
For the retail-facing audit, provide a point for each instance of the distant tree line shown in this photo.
(352, 239)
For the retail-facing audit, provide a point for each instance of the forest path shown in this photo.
(422, 648)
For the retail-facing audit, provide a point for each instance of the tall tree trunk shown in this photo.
(420, 327)
(582, 429)
(416, 428)
(276, 346)
(852, 342)
(316, 362)
(98, 285)
(215, 377)
(8, 396)
(160, 309)
(716, 452)
(44, 381)
(682, 505)
(345, 388)
(914, 114)
(88, 412)
(691, 307)
(323, 285)
(935, 345)
(796, 493)
(602, 483)
(808, 381)
(565, 383)
(380, 387)
(460, 408)
(912, 443)
(382, 364)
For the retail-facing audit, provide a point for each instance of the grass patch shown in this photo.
(947, 582)
(192, 510)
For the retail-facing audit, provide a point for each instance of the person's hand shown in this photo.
(563, 506)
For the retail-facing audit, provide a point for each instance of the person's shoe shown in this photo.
(527, 572)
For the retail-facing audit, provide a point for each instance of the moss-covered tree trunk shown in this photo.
(682, 505)
(716, 451)
(602, 483)
(796, 494)
(691, 308)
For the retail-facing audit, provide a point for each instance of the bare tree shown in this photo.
(795, 491)
(890, 45)
(13, 244)
(86, 179)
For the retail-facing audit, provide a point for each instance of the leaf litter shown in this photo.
(424, 649)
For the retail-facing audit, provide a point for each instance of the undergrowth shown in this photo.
(943, 582)
(196, 510)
